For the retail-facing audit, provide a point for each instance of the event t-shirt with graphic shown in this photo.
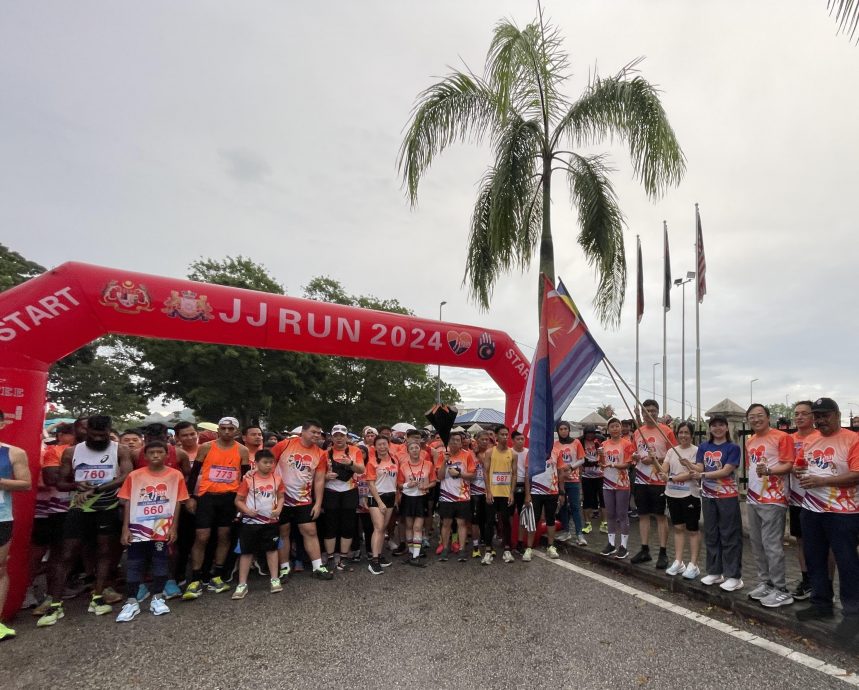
(769, 448)
(345, 456)
(797, 493)
(153, 499)
(297, 465)
(477, 486)
(410, 472)
(566, 454)
(831, 456)
(690, 487)
(384, 473)
(649, 437)
(714, 456)
(591, 471)
(546, 482)
(455, 489)
(618, 452)
(260, 495)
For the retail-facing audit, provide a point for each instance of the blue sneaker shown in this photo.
(142, 593)
(171, 590)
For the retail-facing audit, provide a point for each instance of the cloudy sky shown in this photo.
(146, 135)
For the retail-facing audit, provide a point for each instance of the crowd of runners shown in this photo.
(194, 511)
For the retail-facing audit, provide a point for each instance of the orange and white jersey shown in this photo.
(48, 499)
(566, 454)
(797, 493)
(260, 495)
(768, 449)
(618, 452)
(648, 437)
(420, 474)
(454, 489)
(546, 482)
(152, 502)
(384, 473)
(347, 455)
(297, 465)
(830, 456)
(478, 484)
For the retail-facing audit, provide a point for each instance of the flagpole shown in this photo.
(637, 310)
(665, 328)
(698, 249)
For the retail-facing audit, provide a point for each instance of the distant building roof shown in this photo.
(726, 407)
(594, 418)
(482, 415)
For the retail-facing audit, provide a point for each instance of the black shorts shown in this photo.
(433, 494)
(592, 498)
(685, 511)
(413, 506)
(296, 515)
(795, 523)
(89, 525)
(340, 500)
(6, 532)
(478, 509)
(216, 510)
(48, 530)
(649, 499)
(254, 539)
(388, 499)
(519, 496)
(460, 510)
(547, 503)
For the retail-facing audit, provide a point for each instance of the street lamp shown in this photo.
(690, 276)
(438, 376)
(752, 390)
(655, 364)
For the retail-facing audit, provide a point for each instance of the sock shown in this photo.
(611, 539)
(131, 600)
(196, 575)
(663, 550)
(416, 548)
(624, 540)
(317, 563)
(217, 570)
(475, 543)
(284, 566)
(645, 547)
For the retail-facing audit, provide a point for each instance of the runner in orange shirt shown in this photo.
(804, 422)
(455, 468)
(381, 476)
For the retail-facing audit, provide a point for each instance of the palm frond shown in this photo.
(601, 235)
(628, 106)
(458, 108)
(846, 15)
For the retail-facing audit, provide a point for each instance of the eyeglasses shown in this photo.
(755, 417)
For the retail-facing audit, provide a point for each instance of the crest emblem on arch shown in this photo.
(186, 305)
(127, 297)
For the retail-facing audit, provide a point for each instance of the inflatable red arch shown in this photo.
(52, 315)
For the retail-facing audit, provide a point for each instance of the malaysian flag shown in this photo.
(699, 251)
(666, 288)
(566, 356)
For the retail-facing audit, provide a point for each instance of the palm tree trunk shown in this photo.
(547, 249)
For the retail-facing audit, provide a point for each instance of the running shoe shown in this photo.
(692, 571)
(384, 562)
(801, 592)
(193, 591)
(439, 549)
(52, 616)
(608, 550)
(401, 550)
(416, 563)
(275, 586)
(444, 554)
(241, 592)
(776, 598)
(633, 514)
(588, 528)
(462, 558)
(676, 568)
(604, 527)
(642, 556)
(508, 556)
(356, 556)
(622, 552)
(580, 540)
(375, 567)
(30, 600)
(142, 593)
(426, 543)
(44, 607)
(129, 612)
(73, 590)
(284, 572)
(98, 606)
(761, 591)
(455, 547)
(487, 559)
(662, 560)
(6, 633)
(552, 551)
(732, 584)
(392, 545)
(710, 580)
(157, 607)
(815, 613)
(322, 573)
(111, 596)
(171, 590)
(217, 585)
(563, 536)
(527, 555)
(475, 552)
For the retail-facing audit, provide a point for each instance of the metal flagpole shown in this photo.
(699, 295)
(638, 306)
(665, 306)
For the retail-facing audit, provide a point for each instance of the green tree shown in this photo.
(535, 131)
(780, 410)
(362, 391)
(605, 411)
(15, 269)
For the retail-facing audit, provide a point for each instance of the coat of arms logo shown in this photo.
(127, 297)
(186, 305)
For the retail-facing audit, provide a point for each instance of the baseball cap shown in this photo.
(369, 429)
(716, 418)
(228, 421)
(339, 429)
(824, 405)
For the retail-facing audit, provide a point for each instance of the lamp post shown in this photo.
(655, 364)
(438, 374)
(752, 390)
(690, 276)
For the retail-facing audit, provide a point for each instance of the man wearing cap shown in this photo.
(340, 500)
(829, 473)
(223, 463)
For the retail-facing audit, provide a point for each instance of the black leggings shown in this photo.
(501, 509)
(363, 528)
(339, 513)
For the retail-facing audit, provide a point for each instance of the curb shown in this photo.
(738, 604)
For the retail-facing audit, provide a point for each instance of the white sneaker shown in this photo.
(129, 612)
(777, 597)
(552, 551)
(487, 558)
(158, 607)
(580, 540)
(563, 536)
(732, 584)
(675, 568)
(760, 592)
(712, 580)
(527, 555)
(507, 557)
(692, 571)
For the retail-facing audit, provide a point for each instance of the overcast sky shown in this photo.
(146, 135)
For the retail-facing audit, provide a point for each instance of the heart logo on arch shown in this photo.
(459, 342)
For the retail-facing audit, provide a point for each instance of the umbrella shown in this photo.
(402, 427)
(208, 426)
(442, 418)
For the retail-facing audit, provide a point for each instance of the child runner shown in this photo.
(414, 479)
(615, 458)
(260, 499)
(684, 501)
(151, 496)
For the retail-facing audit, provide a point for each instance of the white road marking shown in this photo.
(774, 647)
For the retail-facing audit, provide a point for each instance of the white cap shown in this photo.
(339, 429)
(371, 429)
(228, 421)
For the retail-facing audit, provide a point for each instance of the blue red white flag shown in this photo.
(566, 356)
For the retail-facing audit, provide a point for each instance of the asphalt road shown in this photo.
(451, 625)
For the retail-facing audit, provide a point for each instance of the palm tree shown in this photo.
(534, 130)
(846, 15)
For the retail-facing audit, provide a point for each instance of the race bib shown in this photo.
(500, 478)
(223, 475)
(147, 511)
(94, 474)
